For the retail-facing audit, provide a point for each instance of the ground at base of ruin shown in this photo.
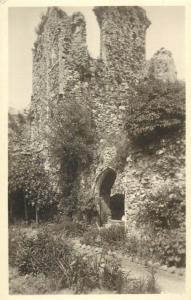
(167, 282)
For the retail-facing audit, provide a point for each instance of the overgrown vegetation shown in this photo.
(157, 108)
(72, 145)
(163, 207)
(163, 245)
(52, 256)
(112, 237)
(163, 212)
(72, 150)
(87, 211)
(29, 188)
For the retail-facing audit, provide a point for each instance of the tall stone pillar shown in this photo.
(122, 35)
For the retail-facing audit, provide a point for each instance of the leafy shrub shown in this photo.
(112, 234)
(164, 207)
(51, 255)
(52, 261)
(113, 277)
(165, 246)
(96, 271)
(171, 248)
(131, 245)
(107, 237)
(161, 217)
(42, 254)
(156, 108)
(29, 184)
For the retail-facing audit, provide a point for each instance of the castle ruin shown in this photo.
(62, 65)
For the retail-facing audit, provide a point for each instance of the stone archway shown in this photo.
(113, 204)
(107, 180)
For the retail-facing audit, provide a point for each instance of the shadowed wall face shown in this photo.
(116, 202)
(108, 179)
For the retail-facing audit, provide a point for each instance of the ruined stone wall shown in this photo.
(122, 31)
(123, 41)
(149, 169)
(60, 59)
(113, 80)
(62, 69)
(61, 63)
(161, 66)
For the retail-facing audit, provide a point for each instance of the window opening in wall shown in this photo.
(92, 28)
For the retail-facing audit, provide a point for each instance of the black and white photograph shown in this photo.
(96, 149)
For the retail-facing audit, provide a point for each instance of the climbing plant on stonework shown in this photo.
(155, 109)
(71, 143)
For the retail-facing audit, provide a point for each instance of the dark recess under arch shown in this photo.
(114, 202)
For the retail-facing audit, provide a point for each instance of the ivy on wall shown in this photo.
(157, 107)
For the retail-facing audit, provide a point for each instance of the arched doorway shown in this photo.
(114, 203)
(107, 180)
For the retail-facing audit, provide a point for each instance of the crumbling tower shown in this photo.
(122, 50)
(161, 66)
(122, 35)
(59, 54)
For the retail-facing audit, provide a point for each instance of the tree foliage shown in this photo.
(162, 213)
(28, 181)
(164, 207)
(156, 108)
(71, 143)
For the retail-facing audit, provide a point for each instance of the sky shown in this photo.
(167, 30)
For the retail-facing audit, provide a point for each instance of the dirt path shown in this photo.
(169, 283)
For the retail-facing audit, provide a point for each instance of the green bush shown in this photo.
(163, 208)
(170, 248)
(162, 214)
(113, 276)
(155, 109)
(30, 193)
(131, 245)
(166, 247)
(42, 254)
(51, 255)
(112, 234)
(107, 237)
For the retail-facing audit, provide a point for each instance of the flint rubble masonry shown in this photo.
(62, 66)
